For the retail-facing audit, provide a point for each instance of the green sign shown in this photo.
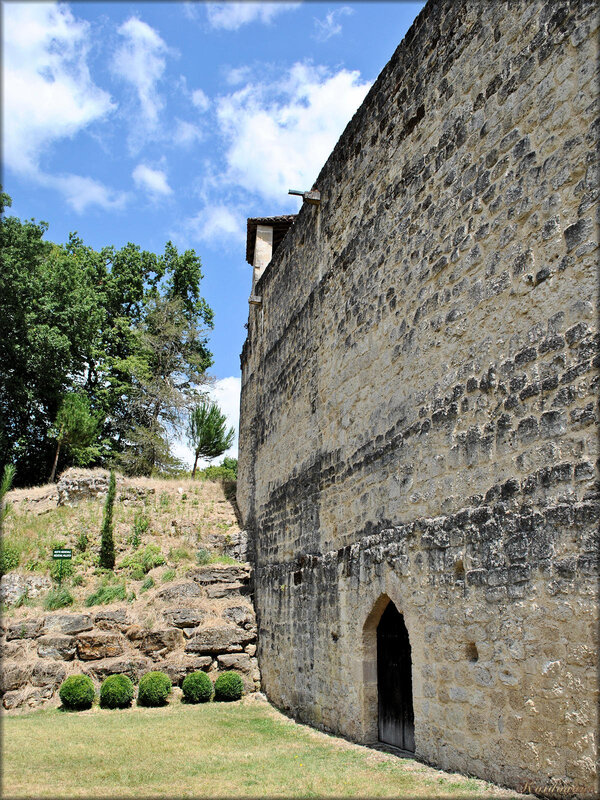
(62, 553)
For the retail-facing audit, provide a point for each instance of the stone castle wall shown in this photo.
(419, 402)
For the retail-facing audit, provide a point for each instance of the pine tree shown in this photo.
(107, 544)
(207, 432)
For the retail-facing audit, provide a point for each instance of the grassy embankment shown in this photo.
(157, 537)
(244, 749)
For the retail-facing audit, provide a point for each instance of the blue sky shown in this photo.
(152, 121)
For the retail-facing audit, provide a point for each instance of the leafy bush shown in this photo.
(67, 569)
(116, 692)
(228, 686)
(217, 473)
(77, 692)
(142, 562)
(140, 526)
(177, 554)
(147, 584)
(106, 594)
(58, 598)
(82, 542)
(154, 689)
(197, 688)
(203, 556)
(9, 557)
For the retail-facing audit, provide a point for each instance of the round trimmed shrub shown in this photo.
(228, 686)
(154, 689)
(116, 692)
(77, 692)
(197, 688)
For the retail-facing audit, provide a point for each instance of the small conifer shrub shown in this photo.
(197, 688)
(77, 692)
(228, 686)
(154, 689)
(107, 544)
(116, 692)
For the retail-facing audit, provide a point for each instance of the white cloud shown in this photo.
(154, 181)
(47, 91)
(237, 75)
(140, 61)
(81, 192)
(186, 133)
(200, 100)
(279, 135)
(219, 224)
(232, 15)
(226, 393)
(330, 25)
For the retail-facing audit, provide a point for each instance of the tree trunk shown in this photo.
(194, 469)
(53, 473)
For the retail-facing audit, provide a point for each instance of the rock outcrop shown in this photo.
(205, 622)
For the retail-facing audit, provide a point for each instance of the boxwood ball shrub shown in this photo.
(197, 688)
(116, 692)
(77, 692)
(154, 689)
(228, 686)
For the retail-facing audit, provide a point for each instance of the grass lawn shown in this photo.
(244, 749)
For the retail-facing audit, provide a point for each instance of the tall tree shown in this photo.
(207, 432)
(168, 368)
(76, 427)
(73, 319)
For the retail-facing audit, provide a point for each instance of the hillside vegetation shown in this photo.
(162, 528)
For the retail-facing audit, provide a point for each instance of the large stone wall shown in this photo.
(419, 411)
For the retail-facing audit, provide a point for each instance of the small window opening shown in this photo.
(459, 570)
(472, 652)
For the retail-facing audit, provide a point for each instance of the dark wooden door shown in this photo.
(394, 681)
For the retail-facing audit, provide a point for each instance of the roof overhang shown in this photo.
(280, 226)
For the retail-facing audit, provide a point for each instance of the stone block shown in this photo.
(184, 617)
(47, 673)
(160, 641)
(68, 623)
(13, 676)
(94, 646)
(181, 591)
(109, 619)
(24, 629)
(219, 640)
(56, 645)
(132, 666)
(220, 573)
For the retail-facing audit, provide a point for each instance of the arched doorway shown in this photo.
(396, 719)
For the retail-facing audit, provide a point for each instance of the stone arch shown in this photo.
(369, 667)
(370, 690)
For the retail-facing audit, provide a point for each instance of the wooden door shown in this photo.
(394, 681)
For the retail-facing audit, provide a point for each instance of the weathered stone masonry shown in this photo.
(419, 402)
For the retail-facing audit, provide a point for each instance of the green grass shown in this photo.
(244, 749)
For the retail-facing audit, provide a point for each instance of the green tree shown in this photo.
(76, 320)
(107, 544)
(76, 427)
(8, 475)
(167, 369)
(207, 432)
